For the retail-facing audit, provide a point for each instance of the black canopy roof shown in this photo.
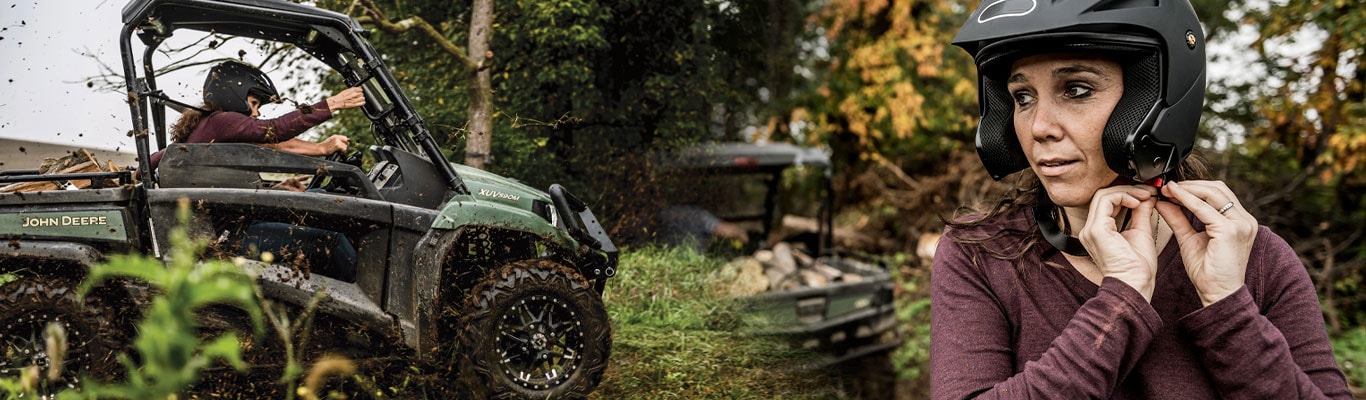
(746, 156)
(276, 20)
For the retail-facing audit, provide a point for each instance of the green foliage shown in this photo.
(669, 363)
(913, 312)
(667, 287)
(1350, 350)
(584, 90)
(287, 329)
(170, 355)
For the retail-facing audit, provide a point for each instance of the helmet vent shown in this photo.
(1106, 5)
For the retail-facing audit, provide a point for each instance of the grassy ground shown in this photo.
(675, 338)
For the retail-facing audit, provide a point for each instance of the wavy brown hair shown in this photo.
(189, 120)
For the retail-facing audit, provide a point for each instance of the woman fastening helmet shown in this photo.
(1113, 271)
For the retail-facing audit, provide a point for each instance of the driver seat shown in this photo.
(239, 166)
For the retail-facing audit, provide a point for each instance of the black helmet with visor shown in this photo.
(229, 83)
(1159, 44)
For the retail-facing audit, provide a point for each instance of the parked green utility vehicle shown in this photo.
(850, 316)
(455, 266)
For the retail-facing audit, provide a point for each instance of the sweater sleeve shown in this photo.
(1277, 349)
(231, 127)
(972, 356)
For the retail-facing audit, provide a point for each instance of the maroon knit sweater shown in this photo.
(1046, 332)
(234, 127)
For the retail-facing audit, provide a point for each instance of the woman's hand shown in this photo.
(351, 97)
(1129, 255)
(295, 184)
(1216, 259)
(335, 143)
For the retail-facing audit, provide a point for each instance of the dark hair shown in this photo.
(971, 219)
(189, 119)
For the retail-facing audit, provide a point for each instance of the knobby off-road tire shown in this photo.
(27, 306)
(536, 330)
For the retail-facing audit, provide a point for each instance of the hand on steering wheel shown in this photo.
(317, 181)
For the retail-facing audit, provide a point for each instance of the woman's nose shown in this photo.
(1046, 124)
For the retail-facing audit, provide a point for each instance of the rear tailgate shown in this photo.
(842, 320)
(99, 215)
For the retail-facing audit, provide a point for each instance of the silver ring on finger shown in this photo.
(1225, 208)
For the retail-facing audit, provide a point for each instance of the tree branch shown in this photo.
(106, 81)
(377, 18)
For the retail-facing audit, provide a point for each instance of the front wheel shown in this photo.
(536, 330)
(28, 305)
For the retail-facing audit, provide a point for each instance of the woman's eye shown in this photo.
(1023, 98)
(1077, 91)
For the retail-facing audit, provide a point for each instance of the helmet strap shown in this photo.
(1048, 226)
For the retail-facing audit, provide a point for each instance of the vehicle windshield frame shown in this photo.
(334, 39)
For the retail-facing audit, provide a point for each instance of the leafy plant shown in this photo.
(1350, 349)
(286, 330)
(170, 354)
(9, 277)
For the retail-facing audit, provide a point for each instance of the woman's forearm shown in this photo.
(301, 147)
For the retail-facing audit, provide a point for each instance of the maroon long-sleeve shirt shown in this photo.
(1046, 332)
(233, 127)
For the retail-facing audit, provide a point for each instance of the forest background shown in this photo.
(585, 93)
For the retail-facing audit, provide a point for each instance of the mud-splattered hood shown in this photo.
(486, 186)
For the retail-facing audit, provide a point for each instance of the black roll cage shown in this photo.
(770, 161)
(333, 38)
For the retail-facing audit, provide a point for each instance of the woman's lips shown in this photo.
(1054, 168)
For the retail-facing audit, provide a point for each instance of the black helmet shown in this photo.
(1159, 43)
(229, 83)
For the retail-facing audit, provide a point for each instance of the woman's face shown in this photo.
(1062, 102)
(255, 105)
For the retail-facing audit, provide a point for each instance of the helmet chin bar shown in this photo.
(1048, 226)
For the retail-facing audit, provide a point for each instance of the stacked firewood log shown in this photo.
(76, 162)
(779, 269)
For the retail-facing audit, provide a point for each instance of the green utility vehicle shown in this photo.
(850, 316)
(455, 266)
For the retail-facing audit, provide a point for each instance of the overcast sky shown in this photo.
(41, 69)
(43, 66)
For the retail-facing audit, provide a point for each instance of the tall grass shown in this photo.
(675, 337)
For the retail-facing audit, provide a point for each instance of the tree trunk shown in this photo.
(479, 139)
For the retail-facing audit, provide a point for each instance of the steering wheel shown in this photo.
(336, 156)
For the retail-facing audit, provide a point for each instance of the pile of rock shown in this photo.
(779, 269)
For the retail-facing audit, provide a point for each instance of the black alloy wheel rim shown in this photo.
(22, 345)
(540, 342)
